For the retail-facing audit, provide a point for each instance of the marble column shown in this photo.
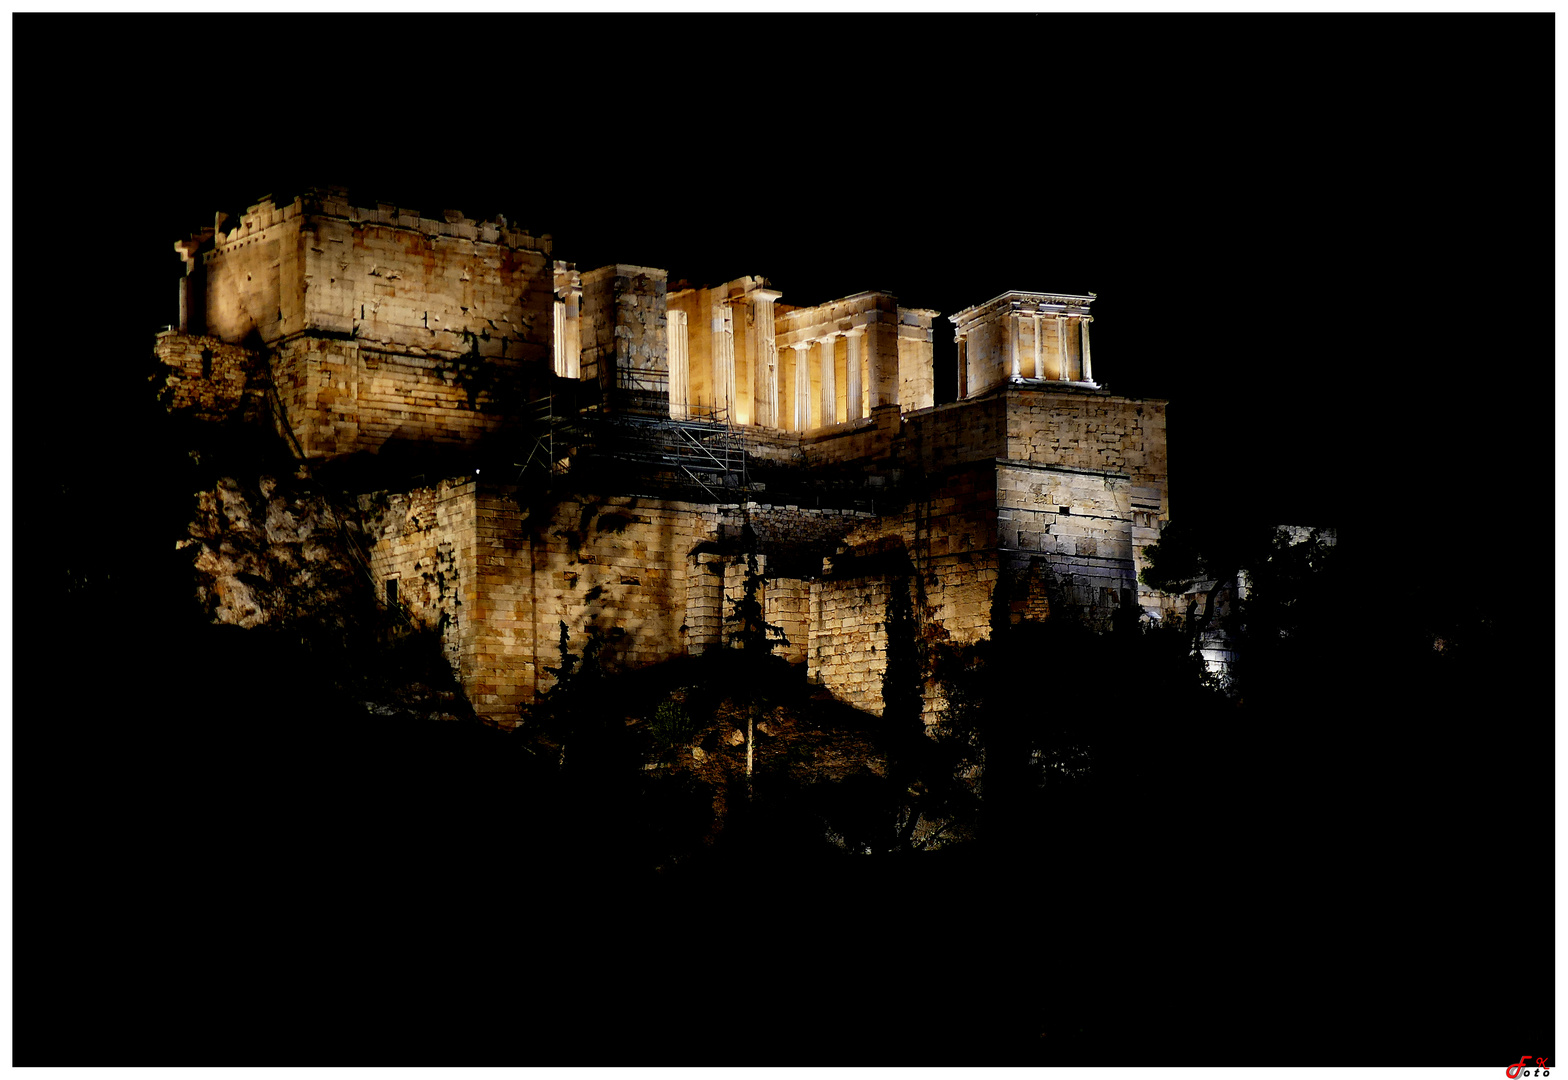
(764, 360)
(1012, 345)
(574, 341)
(802, 385)
(829, 385)
(680, 369)
(723, 326)
(560, 338)
(1083, 329)
(1039, 349)
(855, 400)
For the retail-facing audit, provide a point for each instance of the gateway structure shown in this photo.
(663, 444)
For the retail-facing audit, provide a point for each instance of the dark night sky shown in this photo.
(1327, 240)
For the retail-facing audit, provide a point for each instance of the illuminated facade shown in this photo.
(808, 437)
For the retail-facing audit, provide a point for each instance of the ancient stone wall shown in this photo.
(645, 580)
(252, 275)
(321, 263)
(213, 379)
(781, 527)
(617, 571)
(957, 433)
(346, 395)
(1088, 430)
(384, 324)
(983, 352)
(1073, 530)
(1093, 431)
(624, 334)
(847, 652)
(423, 540)
(941, 547)
(787, 605)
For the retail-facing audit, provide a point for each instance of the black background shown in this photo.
(1327, 241)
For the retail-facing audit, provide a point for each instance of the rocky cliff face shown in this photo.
(273, 553)
(279, 553)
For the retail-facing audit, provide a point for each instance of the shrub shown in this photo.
(672, 724)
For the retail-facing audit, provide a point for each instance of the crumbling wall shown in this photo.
(209, 377)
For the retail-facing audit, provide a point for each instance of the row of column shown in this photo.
(772, 404)
(827, 380)
(1016, 352)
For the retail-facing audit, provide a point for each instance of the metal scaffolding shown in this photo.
(702, 452)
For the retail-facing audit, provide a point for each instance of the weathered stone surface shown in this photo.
(354, 327)
(261, 560)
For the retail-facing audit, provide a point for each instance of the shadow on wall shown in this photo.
(405, 460)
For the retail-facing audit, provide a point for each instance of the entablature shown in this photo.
(1024, 303)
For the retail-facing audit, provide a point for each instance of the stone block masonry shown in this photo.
(642, 580)
(625, 341)
(210, 378)
(848, 647)
(360, 327)
(422, 558)
(626, 576)
(378, 324)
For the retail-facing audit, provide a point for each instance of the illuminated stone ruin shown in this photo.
(661, 436)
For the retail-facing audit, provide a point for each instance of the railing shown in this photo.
(647, 382)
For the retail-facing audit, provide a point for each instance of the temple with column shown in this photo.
(668, 447)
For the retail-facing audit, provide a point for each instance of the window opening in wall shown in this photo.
(391, 592)
(206, 363)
